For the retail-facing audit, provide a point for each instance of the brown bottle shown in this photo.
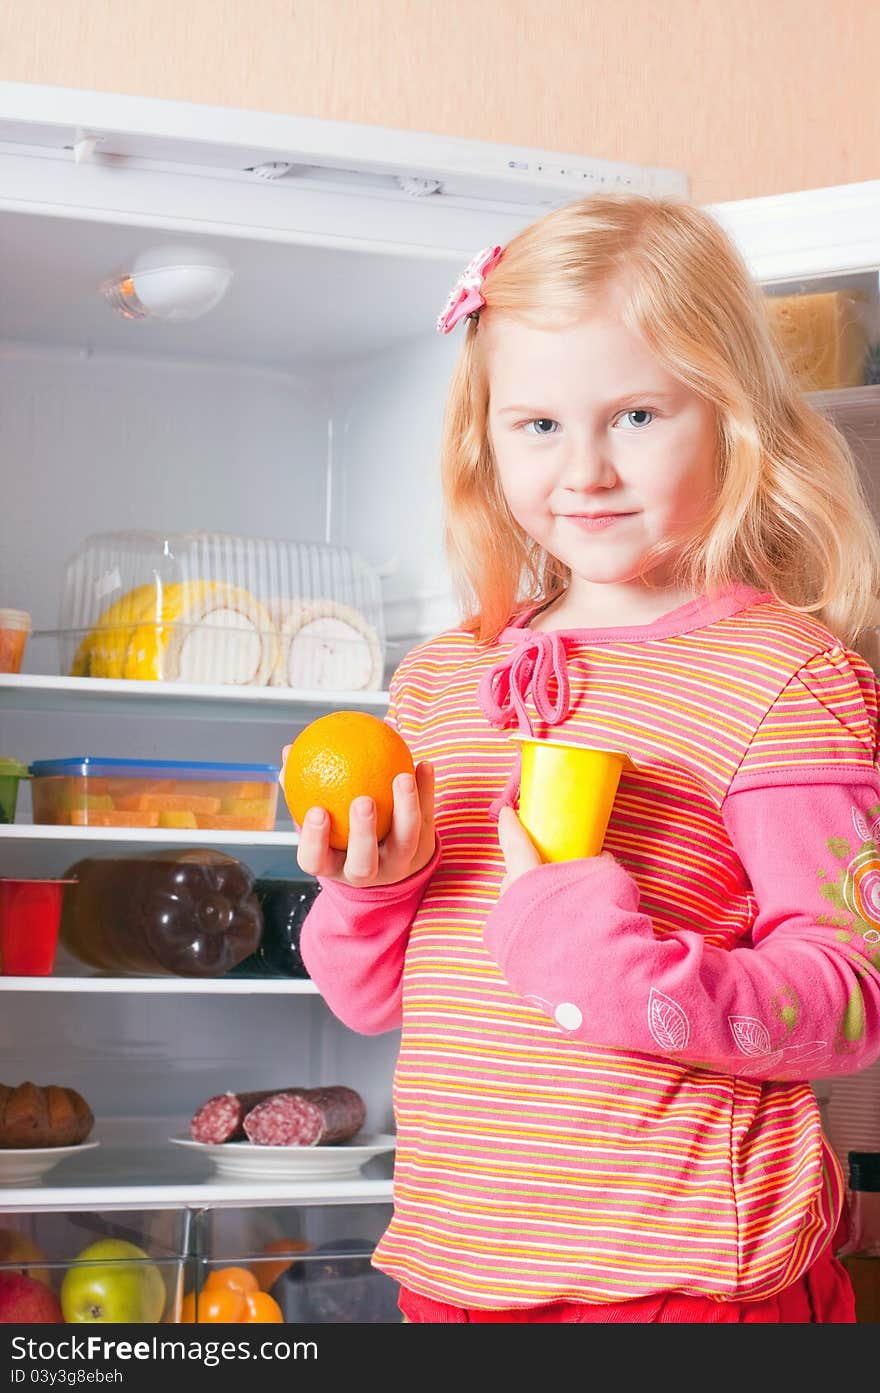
(187, 913)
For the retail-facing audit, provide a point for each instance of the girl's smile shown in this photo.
(596, 522)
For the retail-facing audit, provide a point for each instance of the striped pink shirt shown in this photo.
(601, 1091)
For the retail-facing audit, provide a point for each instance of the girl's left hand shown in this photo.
(520, 852)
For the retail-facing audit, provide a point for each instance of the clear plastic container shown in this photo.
(87, 792)
(827, 329)
(91, 1268)
(211, 609)
(313, 1262)
(15, 626)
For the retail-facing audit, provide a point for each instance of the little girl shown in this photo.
(602, 1098)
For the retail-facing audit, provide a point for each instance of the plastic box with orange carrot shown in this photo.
(172, 794)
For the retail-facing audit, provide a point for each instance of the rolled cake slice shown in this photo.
(327, 646)
(200, 631)
(216, 633)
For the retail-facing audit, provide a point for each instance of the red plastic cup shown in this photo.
(30, 915)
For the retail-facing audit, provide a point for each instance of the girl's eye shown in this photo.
(543, 426)
(637, 425)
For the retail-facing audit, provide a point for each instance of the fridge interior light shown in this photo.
(171, 283)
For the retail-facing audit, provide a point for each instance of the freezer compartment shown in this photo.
(212, 608)
(173, 794)
(86, 1267)
(314, 1263)
(827, 330)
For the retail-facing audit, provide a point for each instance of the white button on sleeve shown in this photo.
(568, 1015)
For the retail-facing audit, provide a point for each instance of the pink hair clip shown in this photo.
(466, 296)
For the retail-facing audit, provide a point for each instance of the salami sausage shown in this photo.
(306, 1117)
(220, 1118)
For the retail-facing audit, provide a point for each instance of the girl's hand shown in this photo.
(408, 847)
(520, 852)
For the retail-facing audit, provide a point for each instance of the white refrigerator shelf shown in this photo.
(40, 692)
(147, 836)
(136, 1166)
(116, 1194)
(39, 849)
(164, 986)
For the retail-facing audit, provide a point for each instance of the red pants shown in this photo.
(823, 1295)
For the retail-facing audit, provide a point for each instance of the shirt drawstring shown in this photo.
(539, 661)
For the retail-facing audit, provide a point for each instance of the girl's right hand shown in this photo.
(408, 847)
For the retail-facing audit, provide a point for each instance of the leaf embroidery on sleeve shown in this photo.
(751, 1036)
(866, 832)
(792, 1062)
(667, 1022)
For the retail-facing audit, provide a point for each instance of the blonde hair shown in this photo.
(790, 513)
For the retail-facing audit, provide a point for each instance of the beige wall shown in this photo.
(748, 97)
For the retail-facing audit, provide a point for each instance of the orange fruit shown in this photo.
(187, 1313)
(269, 1272)
(221, 1306)
(231, 1279)
(262, 1309)
(343, 756)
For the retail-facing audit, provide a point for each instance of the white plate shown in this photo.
(27, 1164)
(249, 1162)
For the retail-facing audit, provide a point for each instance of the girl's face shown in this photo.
(587, 421)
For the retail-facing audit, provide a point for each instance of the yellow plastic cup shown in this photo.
(566, 796)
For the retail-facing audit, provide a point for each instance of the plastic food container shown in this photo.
(11, 774)
(209, 608)
(30, 917)
(87, 792)
(822, 336)
(15, 625)
(75, 1283)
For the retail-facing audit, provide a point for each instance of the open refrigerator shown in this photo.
(302, 409)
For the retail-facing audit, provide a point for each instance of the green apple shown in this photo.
(113, 1282)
